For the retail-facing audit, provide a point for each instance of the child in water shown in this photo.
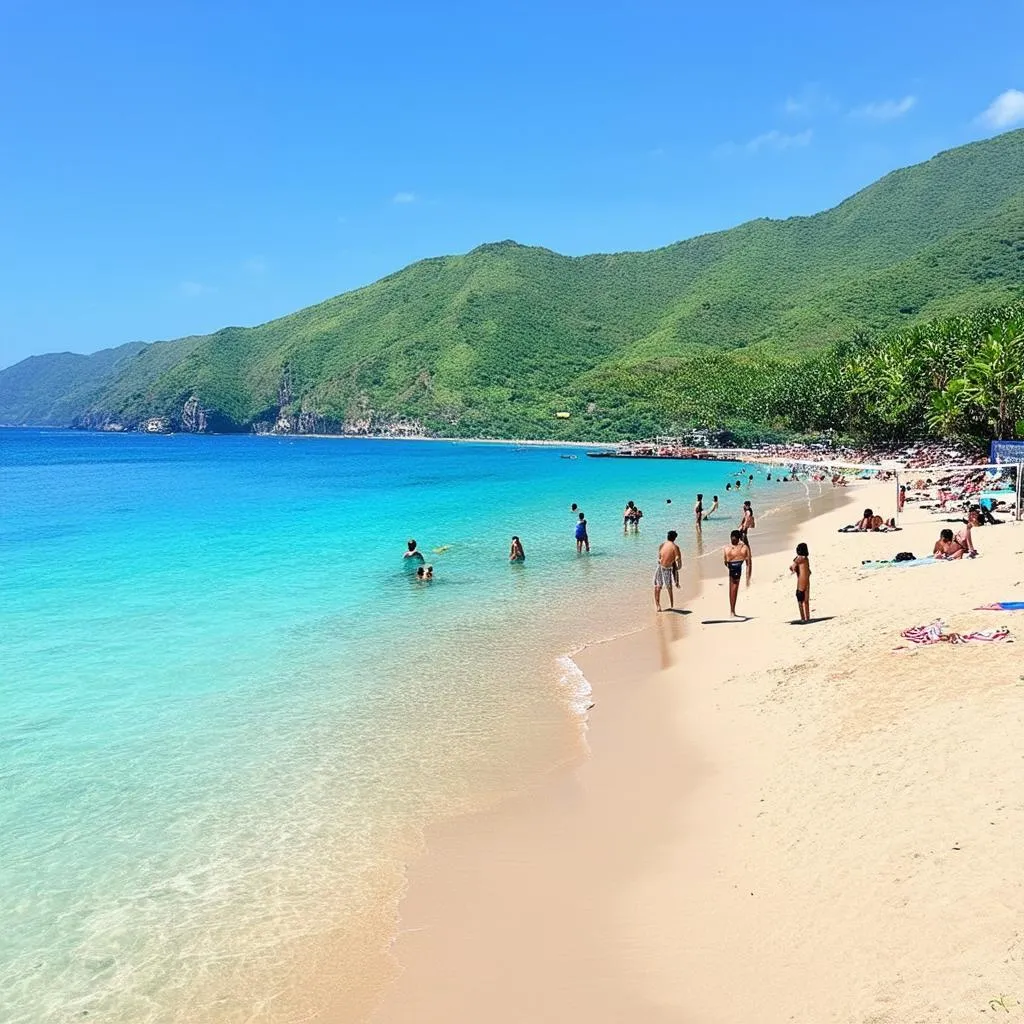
(582, 540)
(802, 567)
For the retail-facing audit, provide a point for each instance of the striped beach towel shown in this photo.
(933, 634)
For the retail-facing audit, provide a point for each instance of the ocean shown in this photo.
(229, 712)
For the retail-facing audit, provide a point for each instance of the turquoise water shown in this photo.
(228, 713)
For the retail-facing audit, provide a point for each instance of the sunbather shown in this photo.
(946, 547)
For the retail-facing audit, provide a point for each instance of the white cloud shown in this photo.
(810, 100)
(778, 141)
(404, 197)
(886, 110)
(193, 289)
(1004, 111)
(773, 141)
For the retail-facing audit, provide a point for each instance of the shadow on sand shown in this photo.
(810, 622)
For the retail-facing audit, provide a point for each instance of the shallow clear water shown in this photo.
(226, 712)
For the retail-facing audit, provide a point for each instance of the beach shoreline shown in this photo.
(623, 890)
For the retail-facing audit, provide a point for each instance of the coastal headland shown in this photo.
(772, 821)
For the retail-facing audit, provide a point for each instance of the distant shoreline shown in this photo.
(456, 440)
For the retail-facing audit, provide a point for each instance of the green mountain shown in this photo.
(500, 339)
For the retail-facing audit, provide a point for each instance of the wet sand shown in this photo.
(773, 822)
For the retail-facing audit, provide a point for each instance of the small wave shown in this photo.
(575, 684)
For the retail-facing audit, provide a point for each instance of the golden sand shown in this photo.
(775, 822)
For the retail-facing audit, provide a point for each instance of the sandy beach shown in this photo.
(773, 822)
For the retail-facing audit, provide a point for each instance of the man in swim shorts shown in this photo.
(736, 554)
(746, 522)
(670, 559)
(802, 568)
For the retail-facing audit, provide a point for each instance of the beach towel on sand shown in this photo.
(933, 634)
(885, 563)
(1002, 606)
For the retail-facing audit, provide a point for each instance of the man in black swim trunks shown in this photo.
(746, 522)
(736, 554)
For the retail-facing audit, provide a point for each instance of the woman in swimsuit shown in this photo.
(963, 536)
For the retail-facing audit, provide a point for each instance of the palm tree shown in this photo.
(994, 377)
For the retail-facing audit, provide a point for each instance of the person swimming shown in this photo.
(425, 572)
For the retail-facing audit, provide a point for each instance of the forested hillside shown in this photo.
(498, 340)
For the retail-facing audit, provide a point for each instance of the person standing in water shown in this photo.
(582, 537)
(802, 567)
(746, 522)
(735, 555)
(630, 516)
(670, 560)
(516, 552)
(413, 555)
(698, 510)
(714, 507)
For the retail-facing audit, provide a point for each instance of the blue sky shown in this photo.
(169, 169)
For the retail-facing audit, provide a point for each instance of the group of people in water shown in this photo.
(736, 554)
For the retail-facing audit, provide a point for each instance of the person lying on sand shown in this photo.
(946, 547)
(870, 523)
